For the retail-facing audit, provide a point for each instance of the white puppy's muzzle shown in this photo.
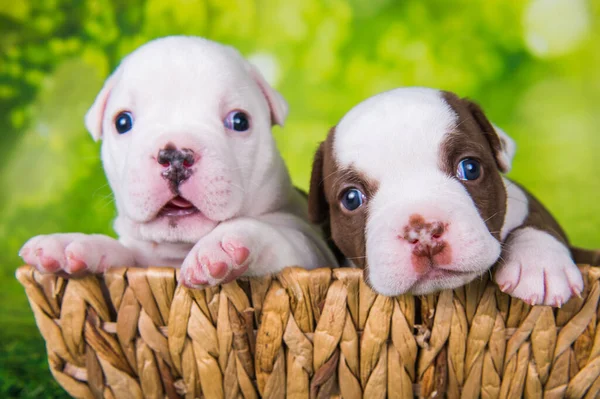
(180, 171)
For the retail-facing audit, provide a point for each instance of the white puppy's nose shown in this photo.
(425, 237)
(171, 156)
(176, 163)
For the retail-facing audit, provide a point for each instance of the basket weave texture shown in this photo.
(134, 333)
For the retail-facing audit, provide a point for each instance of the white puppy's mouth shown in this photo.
(178, 207)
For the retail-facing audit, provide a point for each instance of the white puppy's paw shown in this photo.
(538, 269)
(75, 253)
(215, 261)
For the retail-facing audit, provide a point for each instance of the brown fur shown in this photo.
(328, 182)
(475, 137)
(541, 219)
(585, 256)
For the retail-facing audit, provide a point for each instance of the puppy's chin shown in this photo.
(442, 280)
(436, 279)
(168, 227)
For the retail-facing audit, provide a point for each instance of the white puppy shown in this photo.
(411, 183)
(197, 178)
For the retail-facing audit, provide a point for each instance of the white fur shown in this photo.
(179, 90)
(538, 269)
(517, 208)
(401, 151)
(535, 267)
(508, 150)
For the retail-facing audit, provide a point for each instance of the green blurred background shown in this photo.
(533, 65)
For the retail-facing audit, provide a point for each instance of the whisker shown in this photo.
(495, 214)
(357, 257)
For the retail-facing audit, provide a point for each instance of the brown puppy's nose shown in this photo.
(176, 164)
(425, 237)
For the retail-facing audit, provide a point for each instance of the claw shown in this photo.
(506, 287)
(533, 300)
(558, 302)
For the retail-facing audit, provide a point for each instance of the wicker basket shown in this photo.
(135, 333)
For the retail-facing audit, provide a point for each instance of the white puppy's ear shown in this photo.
(277, 104)
(503, 146)
(95, 115)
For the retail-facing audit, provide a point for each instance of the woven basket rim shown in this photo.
(347, 325)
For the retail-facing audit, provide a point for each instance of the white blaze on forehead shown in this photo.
(394, 132)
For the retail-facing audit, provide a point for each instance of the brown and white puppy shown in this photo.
(411, 182)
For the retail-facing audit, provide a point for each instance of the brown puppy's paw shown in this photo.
(539, 270)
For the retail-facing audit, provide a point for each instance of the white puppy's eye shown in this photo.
(352, 199)
(468, 169)
(237, 120)
(124, 122)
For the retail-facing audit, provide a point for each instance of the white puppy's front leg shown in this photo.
(75, 253)
(251, 247)
(538, 269)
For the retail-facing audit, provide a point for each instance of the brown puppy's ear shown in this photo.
(502, 145)
(318, 208)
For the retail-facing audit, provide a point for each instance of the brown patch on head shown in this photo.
(328, 183)
(474, 137)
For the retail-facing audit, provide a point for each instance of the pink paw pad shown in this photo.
(196, 278)
(238, 253)
(48, 263)
(75, 265)
(235, 274)
(216, 269)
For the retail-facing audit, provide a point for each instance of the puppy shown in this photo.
(197, 179)
(411, 182)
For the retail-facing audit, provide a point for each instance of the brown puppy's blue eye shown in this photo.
(237, 121)
(352, 199)
(124, 122)
(468, 169)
